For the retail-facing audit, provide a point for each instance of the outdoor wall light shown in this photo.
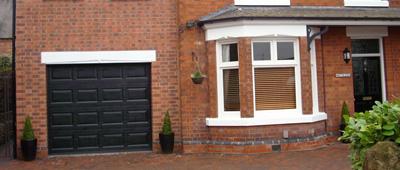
(346, 55)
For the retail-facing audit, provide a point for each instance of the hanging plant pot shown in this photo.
(198, 80)
(29, 149)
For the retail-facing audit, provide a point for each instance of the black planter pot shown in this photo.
(29, 149)
(167, 143)
(197, 80)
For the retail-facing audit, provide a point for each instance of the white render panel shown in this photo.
(98, 57)
(255, 31)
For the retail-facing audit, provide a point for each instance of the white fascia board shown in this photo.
(209, 26)
(367, 31)
(263, 2)
(98, 57)
(272, 119)
(255, 31)
(366, 3)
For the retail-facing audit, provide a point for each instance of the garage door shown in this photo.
(99, 108)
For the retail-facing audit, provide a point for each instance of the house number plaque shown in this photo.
(343, 75)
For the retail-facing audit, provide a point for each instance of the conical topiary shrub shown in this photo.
(167, 135)
(28, 134)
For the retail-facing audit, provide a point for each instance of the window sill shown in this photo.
(267, 120)
(366, 3)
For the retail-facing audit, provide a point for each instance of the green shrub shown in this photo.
(366, 129)
(5, 64)
(28, 134)
(166, 128)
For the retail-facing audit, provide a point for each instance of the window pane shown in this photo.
(365, 46)
(231, 90)
(229, 52)
(285, 51)
(262, 51)
(275, 88)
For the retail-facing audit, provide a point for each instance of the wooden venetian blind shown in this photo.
(231, 90)
(275, 88)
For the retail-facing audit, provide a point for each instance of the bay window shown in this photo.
(276, 76)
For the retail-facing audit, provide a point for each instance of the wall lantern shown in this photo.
(346, 55)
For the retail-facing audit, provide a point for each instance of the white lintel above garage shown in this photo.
(98, 57)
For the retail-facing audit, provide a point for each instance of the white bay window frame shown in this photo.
(221, 66)
(366, 3)
(263, 2)
(275, 63)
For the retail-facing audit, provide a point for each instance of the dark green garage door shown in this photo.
(99, 108)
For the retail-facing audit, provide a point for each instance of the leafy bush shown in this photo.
(166, 128)
(5, 64)
(366, 129)
(28, 134)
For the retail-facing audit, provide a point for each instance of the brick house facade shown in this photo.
(181, 32)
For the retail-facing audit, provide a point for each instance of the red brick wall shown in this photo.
(94, 25)
(391, 53)
(246, 78)
(5, 47)
(305, 67)
(337, 90)
(196, 99)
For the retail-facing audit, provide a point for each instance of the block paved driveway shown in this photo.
(332, 157)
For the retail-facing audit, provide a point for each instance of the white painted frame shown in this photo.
(263, 2)
(275, 63)
(382, 62)
(366, 3)
(98, 57)
(220, 84)
(314, 78)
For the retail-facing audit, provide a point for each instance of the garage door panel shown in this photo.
(61, 73)
(61, 96)
(86, 95)
(113, 140)
(62, 143)
(87, 119)
(61, 120)
(90, 141)
(97, 108)
(138, 139)
(86, 73)
(136, 71)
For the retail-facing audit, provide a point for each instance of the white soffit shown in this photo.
(253, 30)
(263, 2)
(367, 31)
(98, 57)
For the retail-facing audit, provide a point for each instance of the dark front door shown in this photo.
(367, 82)
(99, 108)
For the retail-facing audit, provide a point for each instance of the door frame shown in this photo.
(381, 59)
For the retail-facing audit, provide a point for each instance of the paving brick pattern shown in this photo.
(333, 157)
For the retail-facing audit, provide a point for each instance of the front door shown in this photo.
(366, 73)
